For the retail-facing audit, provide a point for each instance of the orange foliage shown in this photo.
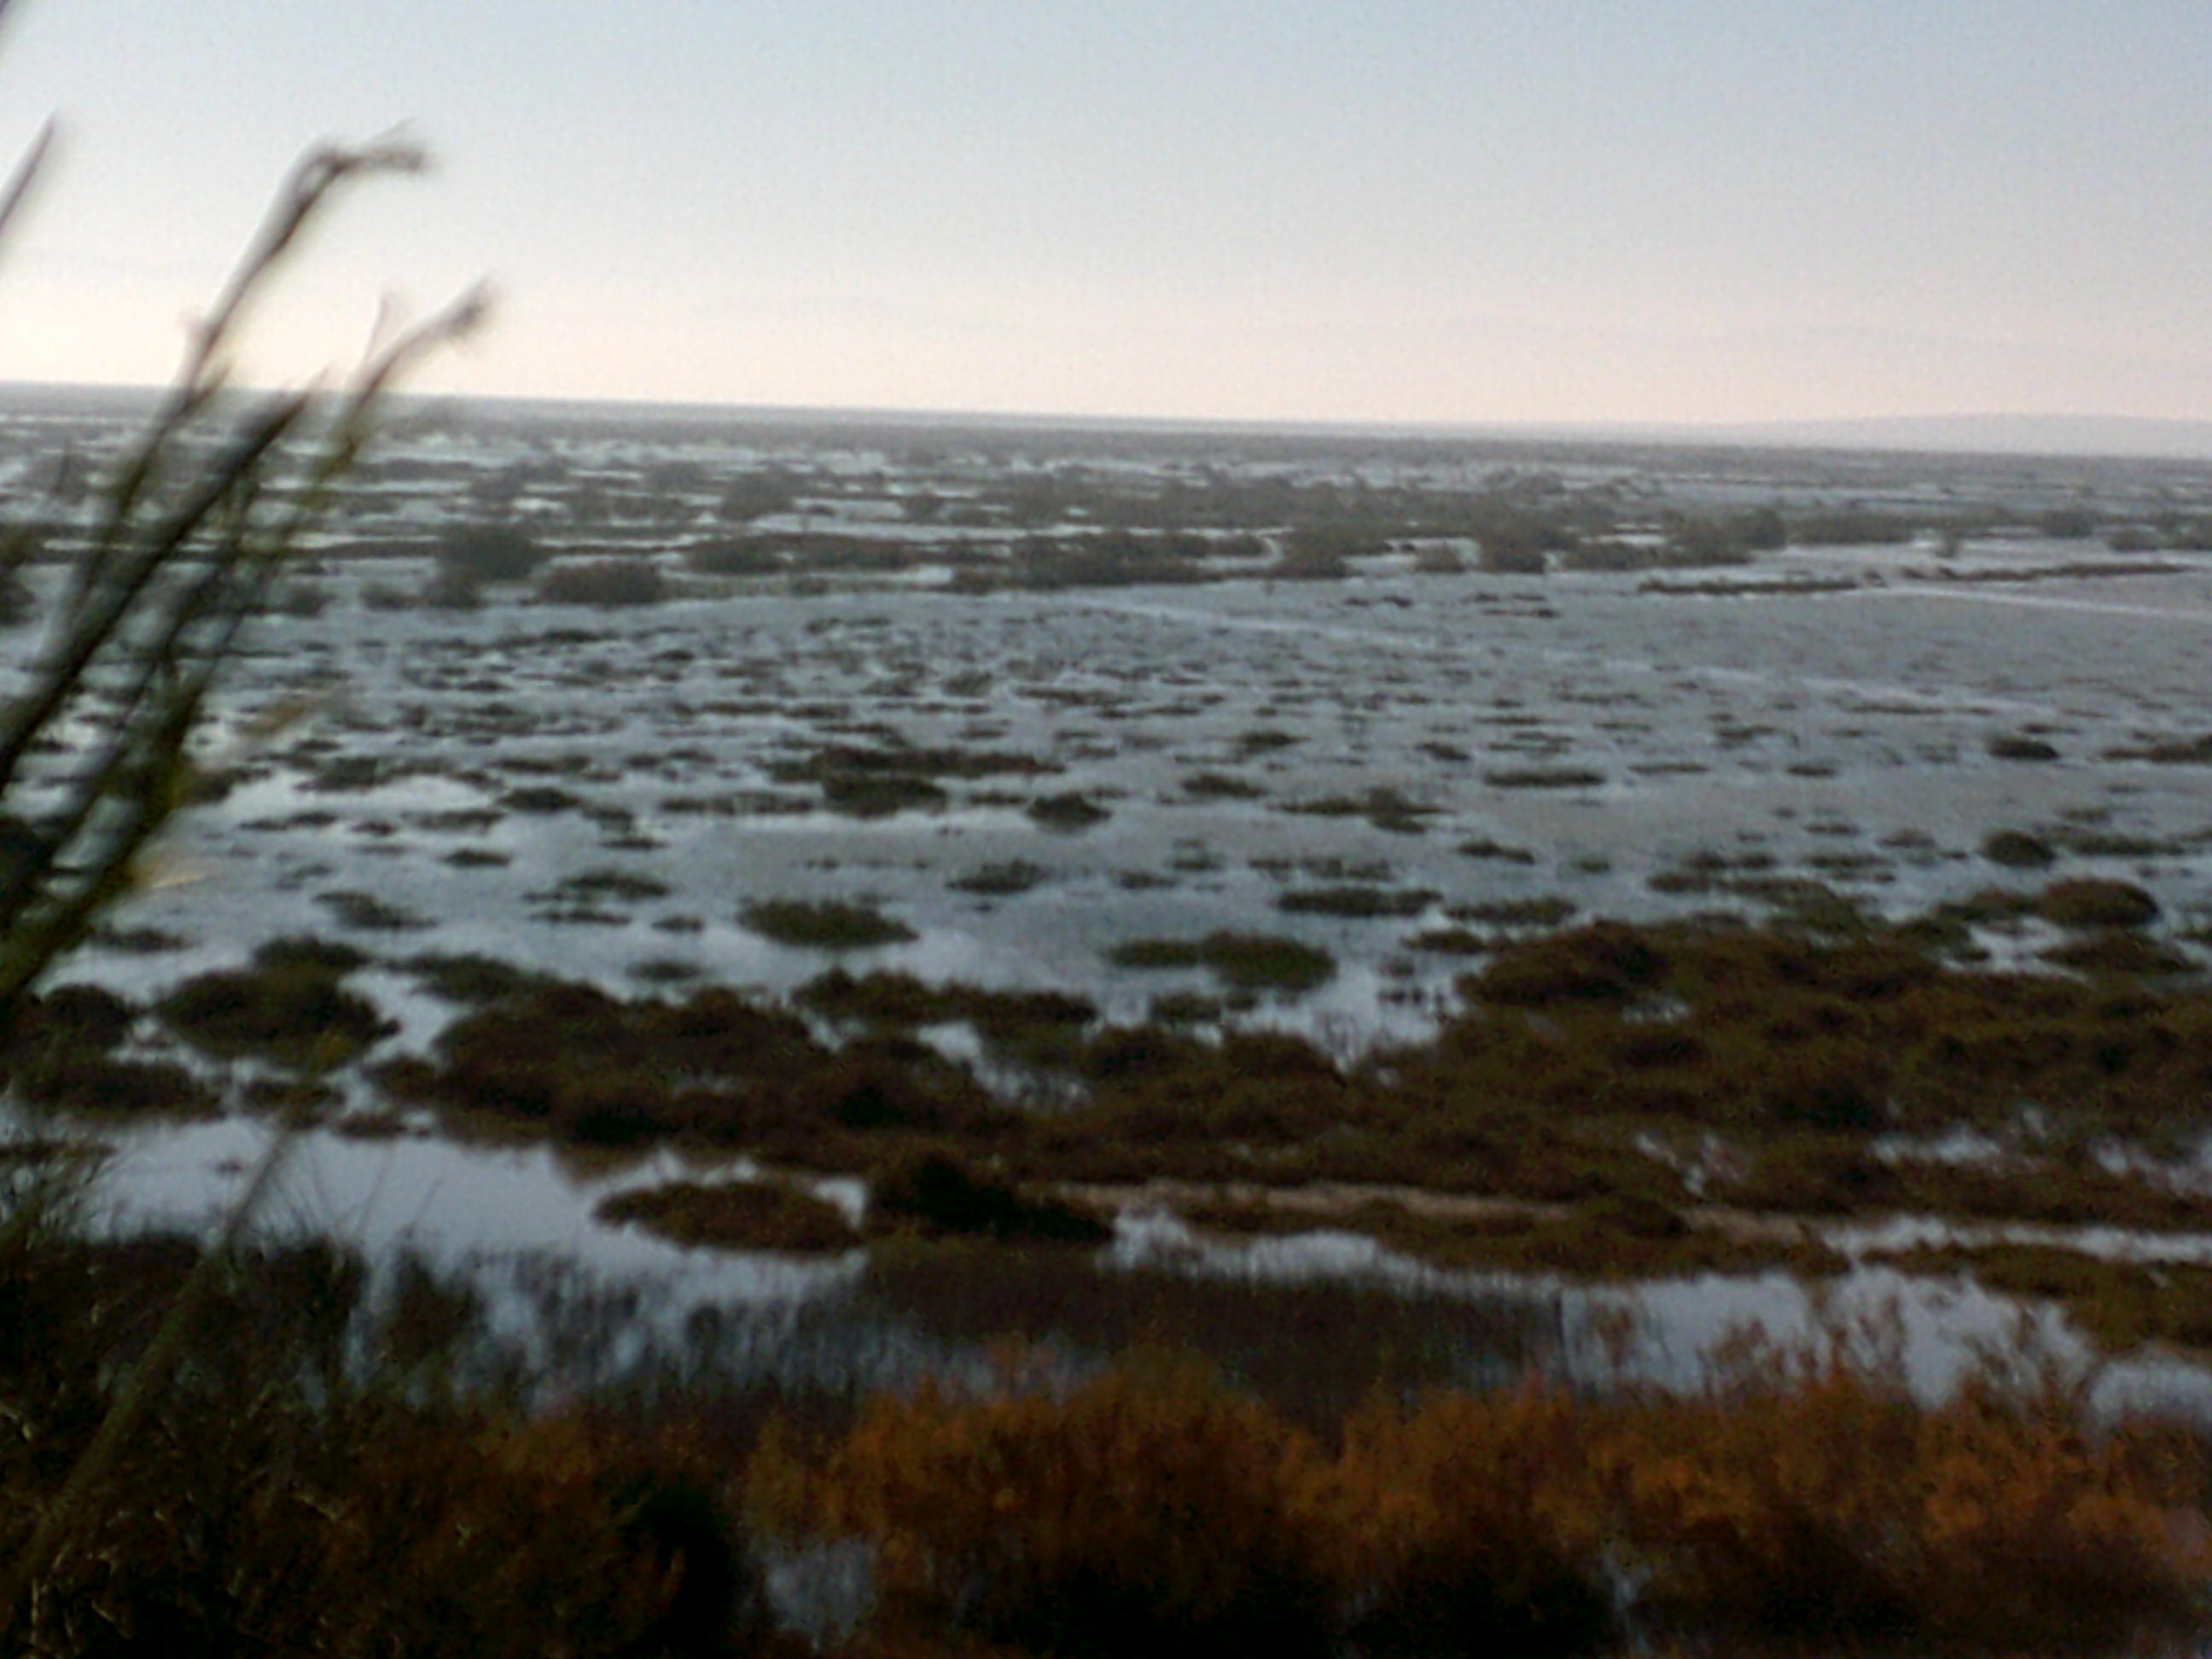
(1154, 1510)
(1148, 1511)
(1472, 1517)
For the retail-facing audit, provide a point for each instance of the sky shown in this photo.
(1454, 211)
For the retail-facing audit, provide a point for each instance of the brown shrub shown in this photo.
(1605, 962)
(295, 1012)
(1828, 1507)
(2091, 902)
(1148, 1511)
(604, 582)
(1462, 1528)
(745, 1215)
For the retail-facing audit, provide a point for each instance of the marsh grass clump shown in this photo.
(366, 913)
(540, 801)
(2124, 1304)
(1221, 786)
(884, 999)
(1829, 1508)
(1002, 880)
(1382, 807)
(824, 924)
(606, 583)
(310, 953)
(2021, 746)
(291, 1010)
(136, 941)
(879, 795)
(1544, 777)
(1762, 1031)
(1830, 1175)
(2122, 953)
(1441, 1530)
(1450, 942)
(869, 781)
(2015, 849)
(61, 1054)
(1247, 962)
(491, 553)
(1037, 1027)
(938, 1195)
(1070, 812)
(2091, 902)
(739, 1215)
(469, 977)
(1266, 962)
(1497, 852)
(1621, 1234)
(450, 588)
(1357, 903)
(1546, 910)
(1605, 962)
(716, 1069)
(621, 886)
(664, 970)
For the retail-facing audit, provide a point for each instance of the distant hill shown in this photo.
(1986, 435)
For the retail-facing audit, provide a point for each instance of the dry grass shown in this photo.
(1154, 1509)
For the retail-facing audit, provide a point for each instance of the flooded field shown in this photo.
(1202, 735)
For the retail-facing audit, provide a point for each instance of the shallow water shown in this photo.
(1841, 738)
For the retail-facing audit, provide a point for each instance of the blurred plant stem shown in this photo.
(196, 520)
(191, 528)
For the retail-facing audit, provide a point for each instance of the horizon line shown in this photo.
(1993, 432)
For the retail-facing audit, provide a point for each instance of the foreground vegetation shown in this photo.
(325, 1446)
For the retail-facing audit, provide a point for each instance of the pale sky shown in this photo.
(1399, 210)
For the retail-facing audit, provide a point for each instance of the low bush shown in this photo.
(1460, 1527)
(1606, 961)
(1356, 902)
(1068, 813)
(2089, 901)
(824, 924)
(453, 588)
(60, 1055)
(292, 1011)
(604, 582)
(2015, 849)
(1815, 1509)
(490, 553)
(1147, 1512)
(1247, 962)
(742, 556)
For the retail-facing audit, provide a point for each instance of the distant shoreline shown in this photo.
(2055, 436)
